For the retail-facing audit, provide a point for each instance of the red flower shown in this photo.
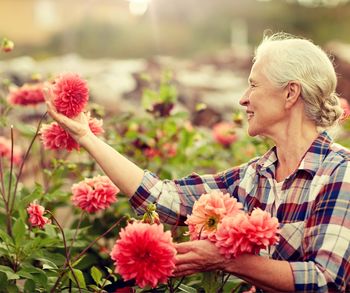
(151, 153)
(224, 133)
(36, 215)
(145, 253)
(71, 94)
(125, 290)
(346, 109)
(54, 137)
(5, 151)
(169, 150)
(208, 211)
(93, 194)
(27, 95)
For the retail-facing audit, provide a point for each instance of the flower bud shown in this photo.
(7, 45)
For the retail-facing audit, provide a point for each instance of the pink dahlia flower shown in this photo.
(231, 236)
(36, 215)
(145, 253)
(5, 150)
(27, 95)
(94, 194)
(346, 109)
(54, 137)
(264, 231)
(71, 94)
(246, 234)
(207, 213)
(224, 133)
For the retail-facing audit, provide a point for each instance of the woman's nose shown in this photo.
(244, 99)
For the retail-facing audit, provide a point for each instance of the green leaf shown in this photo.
(40, 279)
(5, 237)
(19, 231)
(187, 289)
(38, 275)
(96, 274)
(37, 193)
(26, 129)
(29, 286)
(47, 264)
(11, 288)
(94, 288)
(10, 274)
(80, 278)
(3, 280)
(78, 261)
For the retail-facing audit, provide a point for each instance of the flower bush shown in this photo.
(64, 226)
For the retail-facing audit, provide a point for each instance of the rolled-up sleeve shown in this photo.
(175, 198)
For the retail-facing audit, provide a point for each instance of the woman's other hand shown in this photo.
(198, 256)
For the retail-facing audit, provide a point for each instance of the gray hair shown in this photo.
(294, 59)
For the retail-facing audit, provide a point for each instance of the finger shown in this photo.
(48, 93)
(183, 247)
(185, 258)
(55, 115)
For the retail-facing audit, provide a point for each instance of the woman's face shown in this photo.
(264, 102)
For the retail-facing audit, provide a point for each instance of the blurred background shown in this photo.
(143, 28)
(207, 44)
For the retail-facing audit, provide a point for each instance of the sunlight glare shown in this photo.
(138, 7)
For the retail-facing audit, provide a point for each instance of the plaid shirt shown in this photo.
(314, 213)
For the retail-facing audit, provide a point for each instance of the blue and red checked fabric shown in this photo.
(314, 213)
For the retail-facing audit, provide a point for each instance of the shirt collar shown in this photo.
(310, 162)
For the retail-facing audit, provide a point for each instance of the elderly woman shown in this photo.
(304, 180)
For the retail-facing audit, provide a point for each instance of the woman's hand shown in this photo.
(198, 256)
(77, 127)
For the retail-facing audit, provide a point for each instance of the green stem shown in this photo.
(23, 161)
(9, 211)
(53, 290)
(98, 238)
(76, 233)
(67, 262)
(3, 185)
(178, 284)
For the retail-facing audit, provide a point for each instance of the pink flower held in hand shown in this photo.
(246, 234)
(54, 137)
(145, 253)
(264, 230)
(224, 133)
(36, 215)
(71, 94)
(94, 194)
(27, 95)
(231, 236)
(5, 150)
(207, 213)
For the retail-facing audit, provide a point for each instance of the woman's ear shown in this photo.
(293, 93)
